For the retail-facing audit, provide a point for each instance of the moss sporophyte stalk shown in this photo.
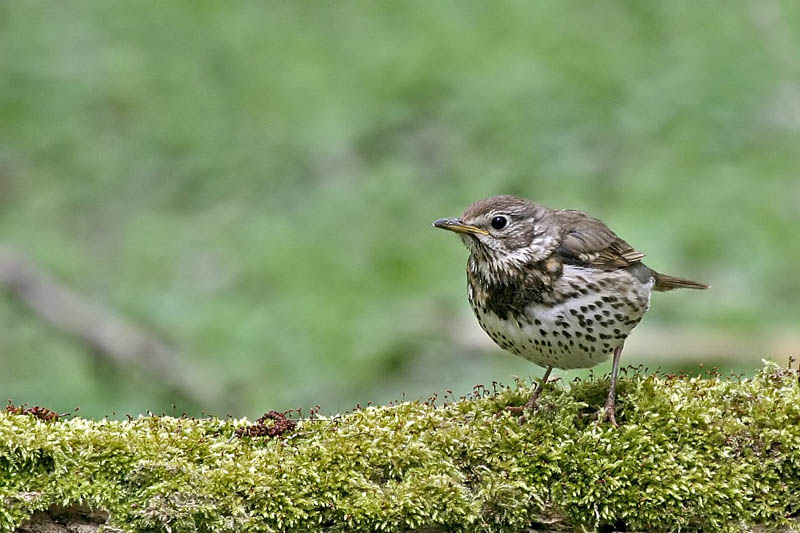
(691, 453)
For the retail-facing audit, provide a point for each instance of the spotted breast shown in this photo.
(578, 323)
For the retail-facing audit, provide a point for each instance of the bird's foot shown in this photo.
(523, 410)
(610, 414)
(530, 405)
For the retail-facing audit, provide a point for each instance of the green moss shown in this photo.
(691, 453)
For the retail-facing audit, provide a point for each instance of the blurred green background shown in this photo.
(254, 184)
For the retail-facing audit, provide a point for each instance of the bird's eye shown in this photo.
(499, 222)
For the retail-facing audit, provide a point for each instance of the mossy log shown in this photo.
(691, 453)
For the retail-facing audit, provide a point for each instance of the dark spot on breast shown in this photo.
(543, 333)
(537, 322)
(511, 295)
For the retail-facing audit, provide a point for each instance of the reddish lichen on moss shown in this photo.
(271, 424)
(42, 413)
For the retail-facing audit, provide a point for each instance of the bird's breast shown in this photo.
(575, 324)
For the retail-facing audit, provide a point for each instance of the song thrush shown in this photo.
(555, 286)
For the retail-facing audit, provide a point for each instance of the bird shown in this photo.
(555, 286)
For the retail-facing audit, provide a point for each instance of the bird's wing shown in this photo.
(588, 242)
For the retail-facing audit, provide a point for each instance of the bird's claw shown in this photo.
(610, 414)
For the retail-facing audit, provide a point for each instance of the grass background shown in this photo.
(256, 182)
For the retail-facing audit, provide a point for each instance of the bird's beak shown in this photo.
(454, 224)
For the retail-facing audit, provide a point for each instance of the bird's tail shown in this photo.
(668, 283)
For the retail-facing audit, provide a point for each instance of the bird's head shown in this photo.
(503, 233)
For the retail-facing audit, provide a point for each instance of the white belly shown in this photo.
(579, 332)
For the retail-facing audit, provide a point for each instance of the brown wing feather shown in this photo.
(588, 241)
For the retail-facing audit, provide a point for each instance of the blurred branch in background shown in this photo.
(110, 336)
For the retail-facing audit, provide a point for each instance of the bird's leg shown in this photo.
(535, 396)
(531, 403)
(612, 390)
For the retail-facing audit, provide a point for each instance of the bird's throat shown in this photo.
(505, 292)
